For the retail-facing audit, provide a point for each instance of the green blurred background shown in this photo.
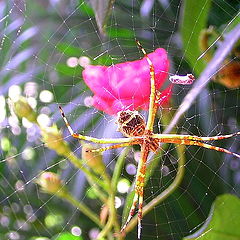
(40, 40)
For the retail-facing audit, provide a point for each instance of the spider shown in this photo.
(138, 131)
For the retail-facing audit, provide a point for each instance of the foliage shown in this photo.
(223, 220)
(36, 41)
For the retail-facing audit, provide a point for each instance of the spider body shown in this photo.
(133, 125)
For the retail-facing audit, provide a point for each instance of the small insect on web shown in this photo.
(140, 132)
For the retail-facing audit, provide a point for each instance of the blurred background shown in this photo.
(43, 48)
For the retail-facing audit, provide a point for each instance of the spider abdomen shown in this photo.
(131, 123)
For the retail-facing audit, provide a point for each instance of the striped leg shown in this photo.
(113, 147)
(190, 137)
(91, 139)
(201, 144)
(152, 109)
(138, 196)
(205, 145)
(140, 215)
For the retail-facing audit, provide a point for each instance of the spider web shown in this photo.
(41, 43)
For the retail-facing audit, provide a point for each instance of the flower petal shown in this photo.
(126, 85)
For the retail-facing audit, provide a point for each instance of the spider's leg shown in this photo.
(152, 104)
(92, 139)
(138, 197)
(201, 144)
(113, 147)
(140, 215)
(205, 145)
(140, 180)
(166, 137)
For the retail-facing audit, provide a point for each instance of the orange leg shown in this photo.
(205, 145)
(152, 104)
(113, 147)
(163, 137)
(138, 196)
(92, 139)
(201, 144)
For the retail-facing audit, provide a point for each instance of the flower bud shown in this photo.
(93, 159)
(53, 139)
(22, 109)
(51, 183)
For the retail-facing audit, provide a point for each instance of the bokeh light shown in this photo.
(137, 156)
(13, 235)
(14, 92)
(118, 202)
(44, 120)
(19, 186)
(46, 96)
(72, 62)
(76, 231)
(28, 153)
(53, 220)
(88, 101)
(131, 169)
(93, 233)
(30, 89)
(32, 102)
(84, 61)
(26, 123)
(123, 185)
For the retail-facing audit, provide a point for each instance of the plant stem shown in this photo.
(83, 208)
(93, 180)
(167, 192)
(112, 221)
(118, 168)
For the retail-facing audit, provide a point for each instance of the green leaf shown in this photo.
(85, 8)
(66, 236)
(127, 206)
(68, 71)
(102, 9)
(193, 21)
(70, 50)
(116, 32)
(222, 222)
(118, 167)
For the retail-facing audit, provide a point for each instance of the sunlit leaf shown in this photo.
(120, 32)
(68, 71)
(222, 222)
(85, 8)
(66, 236)
(69, 50)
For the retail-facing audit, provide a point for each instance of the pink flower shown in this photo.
(127, 85)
